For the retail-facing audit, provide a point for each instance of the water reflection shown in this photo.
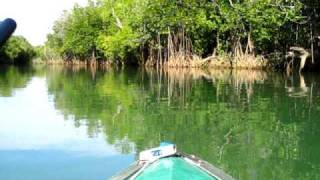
(244, 121)
(253, 124)
(37, 142)
(296, 86)
(12, 78)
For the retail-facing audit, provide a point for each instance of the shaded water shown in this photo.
(72, 123)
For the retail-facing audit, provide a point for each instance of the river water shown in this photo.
(76, 123)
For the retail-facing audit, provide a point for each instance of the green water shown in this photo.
(73, 123)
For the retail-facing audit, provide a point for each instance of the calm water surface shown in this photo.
(73, 123)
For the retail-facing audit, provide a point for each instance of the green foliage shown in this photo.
(118, 45)
(122, 36)
(262, 19)
(75, 34)
(122, 30)
(190, 17)
(81, 31)
(53, 48)
(17, 50)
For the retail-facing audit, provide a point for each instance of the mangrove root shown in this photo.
(299, 52)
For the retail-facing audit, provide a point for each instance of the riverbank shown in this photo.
(221, 62)
(218, 62)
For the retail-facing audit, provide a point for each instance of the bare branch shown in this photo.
(231, 3)
(118, 22)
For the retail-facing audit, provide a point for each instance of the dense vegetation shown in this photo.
(158, 31)
(17, 50)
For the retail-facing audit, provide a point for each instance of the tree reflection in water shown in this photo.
(253, 124)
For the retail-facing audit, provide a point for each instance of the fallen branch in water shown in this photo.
(299, 52)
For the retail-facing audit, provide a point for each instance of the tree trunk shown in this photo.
(311, 41)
